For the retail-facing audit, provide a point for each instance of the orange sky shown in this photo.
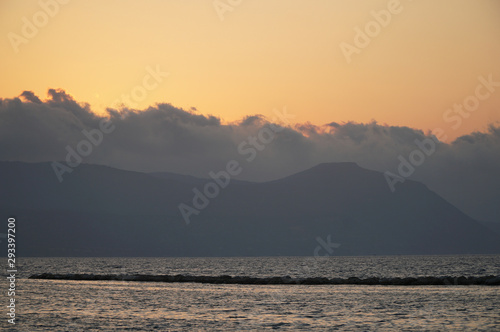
(262, 55)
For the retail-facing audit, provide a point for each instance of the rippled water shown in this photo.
(55, 305)
(333, 266)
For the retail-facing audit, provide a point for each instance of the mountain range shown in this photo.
(330, 209)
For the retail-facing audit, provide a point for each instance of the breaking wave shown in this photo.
(244, 280)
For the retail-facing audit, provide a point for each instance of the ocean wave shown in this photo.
(490, 280)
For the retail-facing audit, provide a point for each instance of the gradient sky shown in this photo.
(263, 55)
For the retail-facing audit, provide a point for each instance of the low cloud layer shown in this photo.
(166, 138)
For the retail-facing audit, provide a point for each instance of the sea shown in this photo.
(68, 305)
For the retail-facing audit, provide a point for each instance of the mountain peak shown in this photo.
(336, 166)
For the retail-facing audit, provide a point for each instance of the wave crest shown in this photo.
(245, 280)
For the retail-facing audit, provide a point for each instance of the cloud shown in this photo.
(166, 138)
(252, 120)
(30, 96)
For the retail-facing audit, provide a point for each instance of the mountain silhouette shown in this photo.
(330, 209)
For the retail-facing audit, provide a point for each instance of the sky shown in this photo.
(279, 86)
(400, 63)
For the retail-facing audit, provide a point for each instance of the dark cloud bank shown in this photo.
(165, 138)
